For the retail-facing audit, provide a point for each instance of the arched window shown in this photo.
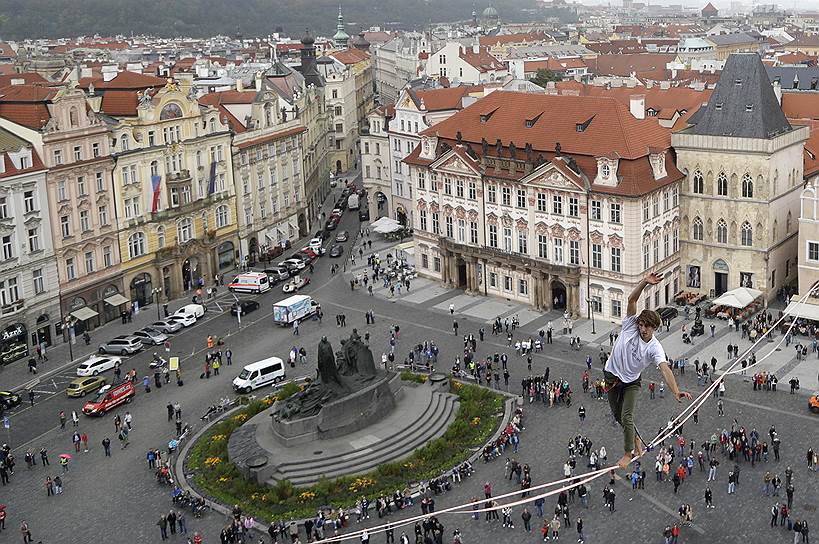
(696, 233)
(747, 233)
(788, 224)
(722, 184)
(722, 232)
(160, 237)
(222, 216)
(124, 142)
(73, 118)
(698, 183)
(213, 124)
(184, 231)
(136, 245)
(747, 186)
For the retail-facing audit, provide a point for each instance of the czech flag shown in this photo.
(156, 186)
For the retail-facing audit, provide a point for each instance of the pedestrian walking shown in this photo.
(106, 446)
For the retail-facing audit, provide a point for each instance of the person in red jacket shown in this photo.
(675, 533)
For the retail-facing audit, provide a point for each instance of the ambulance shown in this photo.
(250, 282)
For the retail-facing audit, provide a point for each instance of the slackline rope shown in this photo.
(581, 479)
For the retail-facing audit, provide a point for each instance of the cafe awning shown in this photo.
(737, 298)
(116, 300)
(804, 310)
(84, 313)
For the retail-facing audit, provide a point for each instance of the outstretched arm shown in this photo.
(668, 375)
(651, 279)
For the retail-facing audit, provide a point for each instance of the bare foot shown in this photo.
(638, 447)
(624, 461)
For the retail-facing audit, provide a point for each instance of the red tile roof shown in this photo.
(800, 105)
(709, 8)
(218, 100)
(8, 68)
(7, 51)
(626, 65)
(610, 130)
(350, 56)
(481, 60)
(449, 98)
(124, 81)
(11, 170)
(811, 151)
(522, 37)
(120, 103)
(26, 104)
(30, 78)
(553, 64)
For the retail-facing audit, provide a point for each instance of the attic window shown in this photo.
(486, 116)
(531, 122)
(718, 106)
(738, 82)
(749, 107)
(581, 127)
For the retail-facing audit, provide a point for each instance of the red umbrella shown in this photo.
(65, 456)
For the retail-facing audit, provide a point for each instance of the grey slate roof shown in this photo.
(805, 77)
(743, 103)
(731, 39)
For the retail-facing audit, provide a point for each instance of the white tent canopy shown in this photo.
(737, 298)
(385, 225)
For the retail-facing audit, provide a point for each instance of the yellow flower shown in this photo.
(307, 496)
(240, 418)
(213, 461)
(476, 421)
(224, 479)
(218, 437)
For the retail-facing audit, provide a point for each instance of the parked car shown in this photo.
(196, 310)
(323, 234)
(363, 214)
(276, 274)
(813, 403)
(296, 263)
(247, 306)
(185, 319)
(315, 243)
(14, 352)
(81, 386)
(295, 284)
(331, 224)
(276, 250)
(667, 312)
(151, 336)
(98, 363)
(167, 326)
(337, 250)
(9, 399)
(123, 345)
(342, 236)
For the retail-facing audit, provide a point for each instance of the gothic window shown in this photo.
(747, 234)
(698, 182)
(722, 184)
(722, 232)
(747, 186)
(697, 229)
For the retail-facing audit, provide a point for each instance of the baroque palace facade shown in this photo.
(559, 201)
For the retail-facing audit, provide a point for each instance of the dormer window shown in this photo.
(486, 116)
(718, 106)
(579, 127)
(605, 171)
(749, 107)
(531, 122)
(738, 82)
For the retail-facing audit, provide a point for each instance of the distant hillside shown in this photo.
(198, 18)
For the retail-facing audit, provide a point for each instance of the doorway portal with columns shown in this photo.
(558, 295)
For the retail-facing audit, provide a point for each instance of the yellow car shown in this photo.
(80, 386)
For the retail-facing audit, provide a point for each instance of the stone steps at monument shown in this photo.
(434, 422)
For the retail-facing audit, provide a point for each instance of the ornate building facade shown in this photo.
(555, 219)
(744, 167)
(176, 198)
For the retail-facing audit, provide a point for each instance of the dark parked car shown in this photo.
(247, 306)
(323, 234)
(363, 214)
(336, 250)
(331, 224)
(9, 399)
(667, 312)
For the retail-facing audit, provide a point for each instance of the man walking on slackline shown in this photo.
(635, 349)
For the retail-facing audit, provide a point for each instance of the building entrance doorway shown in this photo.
(461, 274)
(720, 283)
(558, 296)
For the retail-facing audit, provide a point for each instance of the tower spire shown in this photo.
(341, 37)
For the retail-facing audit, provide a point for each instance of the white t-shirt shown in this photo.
(631, 355)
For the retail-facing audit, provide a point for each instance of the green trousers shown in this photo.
(622, 397)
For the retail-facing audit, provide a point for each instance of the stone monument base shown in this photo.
(421, 413)
(343, 416)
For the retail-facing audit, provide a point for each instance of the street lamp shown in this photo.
(155, 292)
(70, 320)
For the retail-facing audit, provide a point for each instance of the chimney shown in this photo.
(109, 72)
(637, 106)
(777, 88)
(240, 85)
(476, 47)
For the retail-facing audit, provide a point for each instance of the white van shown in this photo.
(250, 282)
(255, 375)
(195, 310)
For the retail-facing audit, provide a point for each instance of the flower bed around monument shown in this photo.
(216, 477)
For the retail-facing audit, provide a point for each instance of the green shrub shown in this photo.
(288, 390)
(476, 420)
(408, 376)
